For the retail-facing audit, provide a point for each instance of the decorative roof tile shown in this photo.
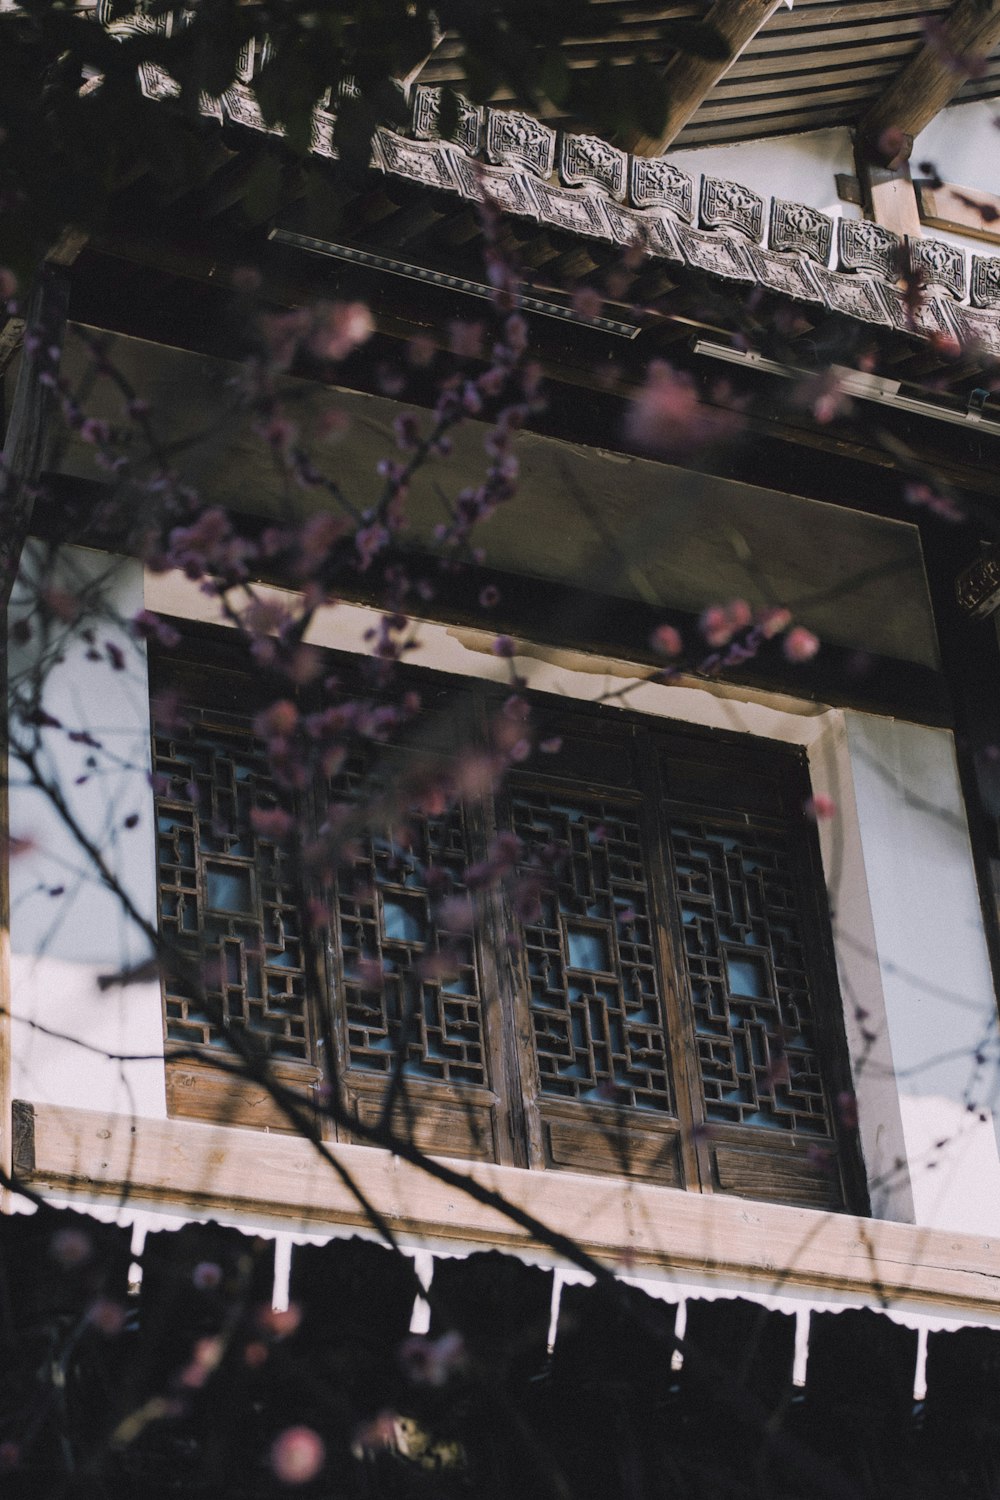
(509, 190)
(796, 226)
(588, 159)
(927, 316)
(729, 205)
(864, 246)
(942, 264)
(716, 253)
(579, 213)
(975, 326)
(428, 162)
(517, 140)
(856, 296)
(655, 182)
(647, 227)
(788, 274)
(985, 284)
(468, 129)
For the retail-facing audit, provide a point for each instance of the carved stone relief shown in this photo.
(864, 246)
(784, 273)
(716, 254)
(942, 264)
(855, 296)
(796, 226)
(730, 204)
(985, 288)
(586, 158)
(468, 127)
(657, 183)
(511, 191)
(514, 139)
(975, 326)
(646, 228)
(927, 318)
(422, 161)
(580, 213)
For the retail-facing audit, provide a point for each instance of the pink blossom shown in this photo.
(715, 625)
(206, 1276)
(800, 644)
(70, 1248)
(771, 622)
(297, 1455)
(340, 328)
(819, 809)
(666, 641)
(432, 1361)
(503, 645)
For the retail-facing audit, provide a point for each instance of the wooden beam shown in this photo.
(944, 205)
(888, 196)
(689, 79)
(196, 1168)
(930, 80)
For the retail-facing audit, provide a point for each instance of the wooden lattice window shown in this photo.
(649, 993)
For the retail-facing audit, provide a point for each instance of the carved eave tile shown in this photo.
(517, 140)
(576, 212)
(510, 191)
(984, 284)
(787, 274)
(241, 108)
(647, 228)
(854, 296)
(977, 327)
(428, 162)
(927, 317)
(324, 122)
(655, 182)
(587, 159)
(729, 205)
(942, 264)
(864, 246)
(715, 253)
(797, 226)
(468, 128)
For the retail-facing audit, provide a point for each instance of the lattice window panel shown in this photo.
(593, 987)
(750, 991)
(226, 894)
(387, 923)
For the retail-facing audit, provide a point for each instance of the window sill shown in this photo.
(633, 1224)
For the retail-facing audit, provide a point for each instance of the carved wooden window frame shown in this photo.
(646, 779)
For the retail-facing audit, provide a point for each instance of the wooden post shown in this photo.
(689, 78)
(21, 463)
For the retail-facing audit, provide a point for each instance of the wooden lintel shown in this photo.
(689, 78)
(959, 210)
(930, 80)
(888, 196)
(202, 1168)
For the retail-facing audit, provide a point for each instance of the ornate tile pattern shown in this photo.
(928, 318)
(796, 226)
(517, 140)
(586, 158)
(784, 273)
(716, 254)
(863, 246)
(855, 296)
(422, 161)
(730, 205)
(468, 131)
(655, 182)
(511, 191)
(579, 213)
(647, 227)
(943, 265)
(985, 285)
(976, 327)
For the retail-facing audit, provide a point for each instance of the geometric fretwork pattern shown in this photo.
(225, 893)
(743, 950)
(416, 1000)
(594, 995)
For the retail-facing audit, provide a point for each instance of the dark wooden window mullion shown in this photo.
(679, 1015)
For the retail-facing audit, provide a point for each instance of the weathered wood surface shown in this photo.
(932, 78)
(689, 78)
(635, 1224)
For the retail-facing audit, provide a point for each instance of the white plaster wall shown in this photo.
(75, 1043)
(933, 983)
(801, 168)
(963, 145)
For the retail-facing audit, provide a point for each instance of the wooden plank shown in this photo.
(689, 78)
(934, 76)
(205, 1166)
(960, 210)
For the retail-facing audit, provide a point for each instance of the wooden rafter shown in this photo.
(932, 78)
(689, 78)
